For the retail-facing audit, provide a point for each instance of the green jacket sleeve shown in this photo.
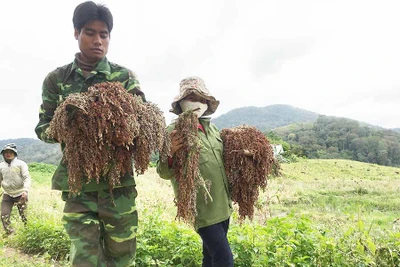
(132, 86)
(164, 171)
(50, 98)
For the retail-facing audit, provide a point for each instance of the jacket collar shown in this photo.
(205, 122)
(102, 66)
(11, 161)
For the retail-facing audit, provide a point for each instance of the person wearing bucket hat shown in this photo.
(15, 181)
(101, 225)
(194, 86)
(212, 219)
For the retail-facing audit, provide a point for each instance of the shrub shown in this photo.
(164, 243)
(43, 238)
(281, 242)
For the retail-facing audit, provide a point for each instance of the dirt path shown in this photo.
(10, 253)
(18, 256)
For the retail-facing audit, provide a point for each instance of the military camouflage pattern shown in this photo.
(102, 234)
(70, 79)
(102, 226)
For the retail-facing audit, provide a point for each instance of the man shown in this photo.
(102, 227)
(15, 181)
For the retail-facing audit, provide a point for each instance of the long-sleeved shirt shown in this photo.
(70, 79)
(211, 168)
(14, 177)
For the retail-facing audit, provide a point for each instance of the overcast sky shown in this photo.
(337, 58)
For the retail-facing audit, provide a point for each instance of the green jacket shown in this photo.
(211, 167)
(69, 79)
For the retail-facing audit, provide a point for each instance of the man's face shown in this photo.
(8, 155)
(93, 40)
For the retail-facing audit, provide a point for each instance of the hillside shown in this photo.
(332, 137)
(34, 150)
(264, 118)
(314, 139)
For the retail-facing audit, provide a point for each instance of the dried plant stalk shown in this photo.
(186, 166)
(152, 136)
(248, 160)
(102, 129)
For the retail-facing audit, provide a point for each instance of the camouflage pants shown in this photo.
(6, 206)
(102, 233)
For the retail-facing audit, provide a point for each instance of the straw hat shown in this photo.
(195, 85)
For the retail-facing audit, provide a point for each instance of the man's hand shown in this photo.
(23, 198)
(176, 142)
(118, 141)
(71, 110)
(248, 153)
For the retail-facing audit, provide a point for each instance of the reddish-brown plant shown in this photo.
(186, 166)
(102, 129)
(152, 136)
(248, 160)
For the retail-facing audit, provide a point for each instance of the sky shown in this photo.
(336, 58)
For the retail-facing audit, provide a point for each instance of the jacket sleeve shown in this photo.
(26, 176)
(132, 85)
(164, 171)
(50, 98)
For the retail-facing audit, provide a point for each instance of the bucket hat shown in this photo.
(10, 146)
(194, 84)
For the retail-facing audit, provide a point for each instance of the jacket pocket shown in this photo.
(203, 155)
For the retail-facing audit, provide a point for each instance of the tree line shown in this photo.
(325, 138)
(332, 137)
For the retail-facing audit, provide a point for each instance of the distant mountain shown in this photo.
(264, 118)
(34, 150)
(326, 137)
(332, 137)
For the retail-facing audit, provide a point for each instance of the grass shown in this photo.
(339, 190)
(334, 195)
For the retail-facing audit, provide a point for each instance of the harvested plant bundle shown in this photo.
(248, 160)
(186, 166)
(152, 137)
(100, 129)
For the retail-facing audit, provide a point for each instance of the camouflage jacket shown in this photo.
(69, 79)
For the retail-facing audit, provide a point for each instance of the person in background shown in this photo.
(102, 231)
(212, 220)
(15, 181)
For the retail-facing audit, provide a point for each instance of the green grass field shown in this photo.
(318, 213)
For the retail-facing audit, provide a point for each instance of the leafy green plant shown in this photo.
(331, 213)
(164, 243)
(43, 238)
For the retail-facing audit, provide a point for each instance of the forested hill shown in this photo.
(264, 118)
(332, 137)
(310, 134)
(34, 150)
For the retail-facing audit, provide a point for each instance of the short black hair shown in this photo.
(89, 11)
